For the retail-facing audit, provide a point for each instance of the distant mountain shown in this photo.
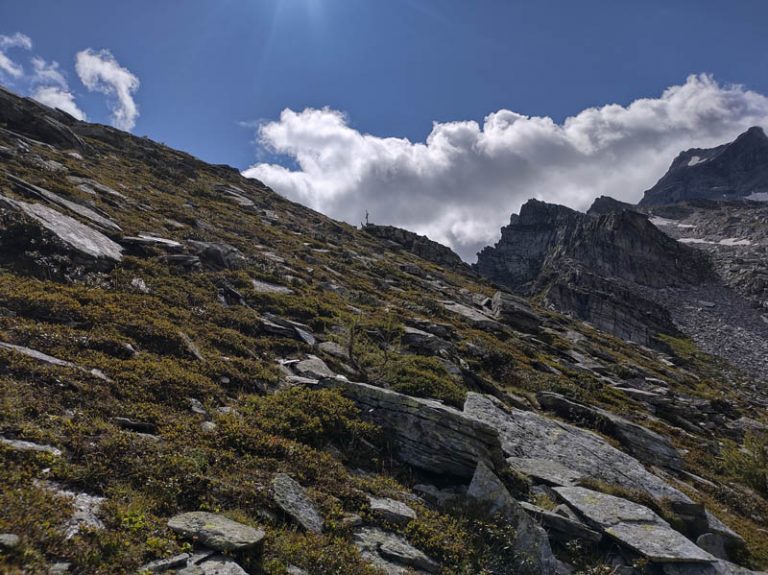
(731, 171)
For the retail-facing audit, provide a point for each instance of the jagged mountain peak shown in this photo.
(735, 170)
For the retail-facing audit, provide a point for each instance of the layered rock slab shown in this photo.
(424, 432)
(634, 525)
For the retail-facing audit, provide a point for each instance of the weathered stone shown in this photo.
(515, 312)
(560, 527)
(544, 470)
(475, 317)
(634, 525)
(426, 433)
(20, 445)
(391, 553)
(313, 367)
(59, 233)
(648, 446)
(45, 358)
(220, 565)
(530, 544)
(713, 544)
(530, 435)
(9, 540)
(40, 193)
(334, 349)
(261, 286)
(161, 565)
(85, 508)
(391, 510)
(216, 531)
(293, 500)
(217, 255)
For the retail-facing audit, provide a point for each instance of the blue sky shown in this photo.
(392, 67)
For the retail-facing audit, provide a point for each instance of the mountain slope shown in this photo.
(171, 336)
(735, 170)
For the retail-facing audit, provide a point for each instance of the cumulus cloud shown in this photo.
(101, 72)
(7, 65)
(51, 88)
(461, 185)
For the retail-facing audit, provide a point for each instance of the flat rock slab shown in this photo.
(634, 525)
(79, 237)
(391, 510)
(220, 565)
(20, 445)
(525, 434)
(45, 358)
(260, 286)
(313, 367)
(216, 531)
(424, 432)
(474, 316)
(391, 553)
(544, 470)
(294, 501)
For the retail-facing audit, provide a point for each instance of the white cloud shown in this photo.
(17, 40)
(51, 87)
(100, 72)
(463, 183)
(57, 97)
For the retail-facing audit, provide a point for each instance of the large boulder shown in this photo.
(294, 501)
(40, 236)
(525, 434)
(634, 526)
(515, 312)
(425, 433)
(216, 531)
(648, 446)
(530, 544)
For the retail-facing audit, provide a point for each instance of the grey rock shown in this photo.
(334, 349)
(530, 435)
(59, 568)
(9, 540)
(85, 507)
(530, 544)
(733, 170)
(260, 286)
(167, 564)
(20, 445)
(713, 544)
(515, 312)
(426, 433)
(216, 531)
(633, 525)
(45, 358)
(475, 317)
(191, 570)
(37, 192)
(648, 446)
(391, 510)
(561, 527)
(294, 501)
(391, 553)
(217, 255)
(220, 565)
(313, 367)
(422, 246)
(60, 231)
(544, 470)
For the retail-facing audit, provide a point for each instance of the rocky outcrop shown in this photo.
(421, 246)
(294, 501)
(425, 433)
(648, 446)
(518, 257)
(633, 525)
(530, 543)
(588, 266)
(608, 205)
(525, 434)
(49, 243)
(738, 169)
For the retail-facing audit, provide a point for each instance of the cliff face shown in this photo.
(731, 171)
